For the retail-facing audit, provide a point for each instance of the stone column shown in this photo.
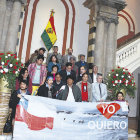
(9, 6)
(99, 48)
(13, 27)
(106, 35)
(111, 47)
(2, 14)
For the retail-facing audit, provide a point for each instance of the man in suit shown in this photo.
(66, 58)
(82, 62)
(94, 74)
(68, 71)
(55, 52)
(99, 90)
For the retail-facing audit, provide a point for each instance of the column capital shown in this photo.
(21, 1)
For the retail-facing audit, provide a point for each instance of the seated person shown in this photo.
(86, 88)
(99, 90)
(53, 61)
(17, 95)
(66, 72)
(82, 71)
(23, 75)
(58, 82)
(70, 92)
(47, 90)
(54, 71)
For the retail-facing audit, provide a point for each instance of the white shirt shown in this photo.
(95, 78)
(36, 79)
(70, 95)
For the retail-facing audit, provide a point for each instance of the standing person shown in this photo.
(99, 90)
(82, 62)
(74, 67)
(82, 71)
(86, 88)
(70, 92)
(17, 95)
(68, 71)
(94, 74)
(47, 89)
(53, 72)
(33, 58)
(58, 82)
(53, 61)
(37, 72)
(24, 75)
(55, 52)
(66, 58)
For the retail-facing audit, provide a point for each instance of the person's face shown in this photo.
(39, 61)
(55, 50)
(72, 61)
(41, 52)
(50, 81)
(23, 86)
(120, 97)
(70, 51)
(82, 70)
(68, 68)
(58, 78)
(69, 82)
(54, 69)
(25, 75)
(53, 59)
(82, 58)
(85, 78)
(99, 79)
(95, 69)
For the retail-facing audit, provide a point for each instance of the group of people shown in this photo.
(61, 77)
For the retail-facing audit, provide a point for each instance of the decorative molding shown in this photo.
(66, 27)
(23, 31)
(72, 26)
(31, 31)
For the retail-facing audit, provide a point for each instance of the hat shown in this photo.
(70, 77)
(43, 49)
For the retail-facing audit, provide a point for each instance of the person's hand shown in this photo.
(19, 96)
(127, 103)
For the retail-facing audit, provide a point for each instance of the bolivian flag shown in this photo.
(49, 35)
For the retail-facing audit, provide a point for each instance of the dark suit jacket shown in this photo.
(63, 74)
(63, 94)
(79, 64)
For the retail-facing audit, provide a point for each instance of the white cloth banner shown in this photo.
(39, 118)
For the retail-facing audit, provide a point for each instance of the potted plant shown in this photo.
(120, 79)
(10, 66)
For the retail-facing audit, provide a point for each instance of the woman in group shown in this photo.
(53, 61)
(24, 75)
(47, 90)
(83, 70)
(53, 72)
(86, 88)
